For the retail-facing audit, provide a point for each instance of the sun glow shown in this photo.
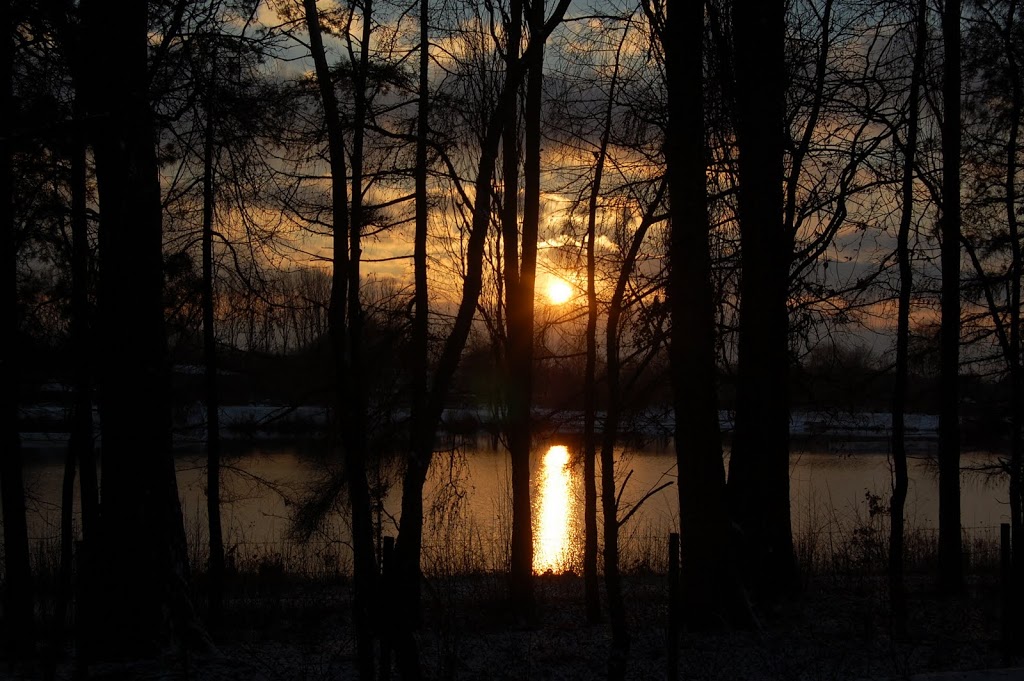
(559, 291)
(551, 545)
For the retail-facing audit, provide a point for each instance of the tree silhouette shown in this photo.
(17, 598)
(759, 464)
(710, 589)
(139, 567)
(951, 576)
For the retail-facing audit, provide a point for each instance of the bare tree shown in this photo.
(992, 235)
(759, 465)
(140, 566)
(408, 547)
(897, 586)
(18, 605)
(951, 576)
(710, 587)
(346, 343)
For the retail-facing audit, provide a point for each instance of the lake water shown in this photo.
(469, 504)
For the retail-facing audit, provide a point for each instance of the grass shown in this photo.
(288, 604)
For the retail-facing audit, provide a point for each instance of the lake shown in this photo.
(468, 503)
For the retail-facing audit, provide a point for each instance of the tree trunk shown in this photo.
(710, 590)
(213, 448)
(406, 574)
(520, 333)
(82, 435)
(758, 485)
(18, 617)
(348, 385)
(609, 502)
(901, 481)
(354, 433)
(619, 654)
(519, 313)
(590, 577)
(1016, 374)
(951, 577)
(409, 544)
(81, 449)
(141, 561)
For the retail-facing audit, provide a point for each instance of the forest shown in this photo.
(436, 219)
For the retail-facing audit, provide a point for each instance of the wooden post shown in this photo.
(387, 552)
(672, 637)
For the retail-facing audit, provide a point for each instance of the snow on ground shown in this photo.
(47, 423)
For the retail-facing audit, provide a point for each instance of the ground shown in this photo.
(837, 629)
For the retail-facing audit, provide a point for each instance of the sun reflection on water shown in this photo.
(553, 513)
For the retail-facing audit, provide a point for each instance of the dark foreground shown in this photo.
(280, 629)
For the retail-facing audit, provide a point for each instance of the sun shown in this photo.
(559, 291)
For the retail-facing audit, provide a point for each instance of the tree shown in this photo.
(710, 592)
(18, 604)
(897, 587)
(759, 466)
(140, 565)
(520, 282)
(409, 544)
(419, 349)
(992, 235)
(590, 550)
(951, 578)
(213, 448)
(346, 345)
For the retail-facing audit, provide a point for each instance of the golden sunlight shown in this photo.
(559, 291)
(551, 534)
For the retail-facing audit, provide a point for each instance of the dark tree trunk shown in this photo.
(142, 601)
(1013, 341)
(619, 654)
(81, 449)
(406, 574)
(901, 481)
(347, 384)
(82, 440)
(591, 595)
(609, 502)
(710, 590)
(354, 414)
(519, 314)
(67, 497)
(951, 577)
(1005, 316)
(410, 543)
(213, 448)
(18, 618)
(590, 576)
(758, 484)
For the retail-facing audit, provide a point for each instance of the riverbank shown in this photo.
(49, 423)
(838, 628)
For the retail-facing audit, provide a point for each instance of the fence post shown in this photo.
(672, 636)
(1006, 598)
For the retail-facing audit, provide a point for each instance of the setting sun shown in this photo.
(559, 291)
